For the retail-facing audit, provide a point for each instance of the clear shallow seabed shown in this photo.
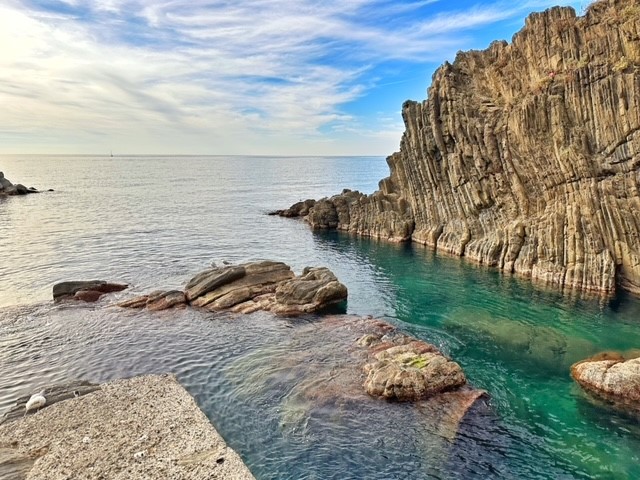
(154, 221)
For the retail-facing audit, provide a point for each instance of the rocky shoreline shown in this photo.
(7, 188)
(143, 427)
(524, 157)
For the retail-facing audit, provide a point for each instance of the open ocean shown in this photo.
(153, 222)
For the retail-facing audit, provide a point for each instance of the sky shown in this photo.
(218, 77)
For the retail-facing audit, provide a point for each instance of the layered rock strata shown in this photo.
(525, 156)
(143, 427)
(246, 288)
(612, 378)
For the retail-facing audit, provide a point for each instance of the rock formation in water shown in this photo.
(85, 290)
(611, 377)
(404, 368)
(246, 288)
(8, 188)
(525, 156)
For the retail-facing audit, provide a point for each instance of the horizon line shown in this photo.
(185, 155)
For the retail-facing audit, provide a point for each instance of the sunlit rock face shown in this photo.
(249, 287)
(525, 156)
(611, 378)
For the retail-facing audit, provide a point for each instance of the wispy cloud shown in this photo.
(211, 75)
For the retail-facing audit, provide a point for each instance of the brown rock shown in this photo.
(67, 290)
(135, 302)
(314, 290)
(87, 295)
(525, 156)
(616, 381)
(211, 279)
(165, 300)
(410, 372)
(259, 278)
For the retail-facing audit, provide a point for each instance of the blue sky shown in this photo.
(277, 77)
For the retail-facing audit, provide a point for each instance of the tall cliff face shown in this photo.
(526, 156)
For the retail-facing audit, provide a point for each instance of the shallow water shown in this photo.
(154, 221)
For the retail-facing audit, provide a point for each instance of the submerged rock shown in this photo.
(323, 371)
(525, 156)
(404, 368)
(85, 290)
(611, 378)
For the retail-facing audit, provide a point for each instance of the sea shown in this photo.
(154, 221)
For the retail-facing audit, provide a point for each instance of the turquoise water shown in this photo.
(153, 221)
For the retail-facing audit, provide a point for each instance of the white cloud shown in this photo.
(209, 76)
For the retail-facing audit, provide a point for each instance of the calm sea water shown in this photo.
(154, 221)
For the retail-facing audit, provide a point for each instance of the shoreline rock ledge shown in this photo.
(142, 427)
(525, 156)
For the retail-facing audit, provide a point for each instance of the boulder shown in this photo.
(612, 379)
(406, 369)
(8, 188)
(85, 290)
(314, 290)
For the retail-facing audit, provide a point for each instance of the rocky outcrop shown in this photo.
(246, 288)
(404, 368)
(525, 156)
(85, 290)
(327, 360)
(612, 378)
(8, 188)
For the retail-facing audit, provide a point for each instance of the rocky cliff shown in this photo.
(525, 156)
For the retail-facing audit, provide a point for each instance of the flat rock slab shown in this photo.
(145, 427)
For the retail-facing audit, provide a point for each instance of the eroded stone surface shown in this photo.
(525, 156)
(611, 378)
(403, 368)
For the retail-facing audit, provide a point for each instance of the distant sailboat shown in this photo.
(111, 153)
